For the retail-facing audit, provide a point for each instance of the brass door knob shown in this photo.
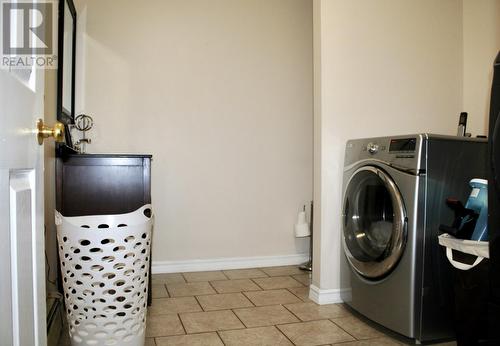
(42, 131)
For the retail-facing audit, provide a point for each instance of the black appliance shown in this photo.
(494, 206)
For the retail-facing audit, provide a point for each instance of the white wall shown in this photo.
(384, 67)
(481, 33)
(220, 92)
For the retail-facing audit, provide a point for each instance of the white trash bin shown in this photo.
(105, 264)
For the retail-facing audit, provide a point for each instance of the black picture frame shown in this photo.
(67, 117)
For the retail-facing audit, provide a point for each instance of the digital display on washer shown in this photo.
(403, 144)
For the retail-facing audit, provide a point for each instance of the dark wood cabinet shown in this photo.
(103, 184)
(100, 184)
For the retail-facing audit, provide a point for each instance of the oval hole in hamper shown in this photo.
(108, 259)
(107, 241)
(109, 276)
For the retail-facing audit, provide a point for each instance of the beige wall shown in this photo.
(385, 67)
(220, 92)
(481, 33)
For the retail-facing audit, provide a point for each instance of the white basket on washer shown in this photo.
(104, 264)
(471, 247)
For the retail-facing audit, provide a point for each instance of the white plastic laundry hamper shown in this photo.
(104, 264)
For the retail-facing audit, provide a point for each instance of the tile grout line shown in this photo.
(251, 301)
(201, 306)
(282, 333)
(220, 337)
(168, 292)
(192, 295)
(182, 323)
(238, 317)
(338, 325)
(247, 277)
(357, 340)
(293, 277)
(221, 309)
(297, 317)
(212, 287)
(262, 270)
(255, 282)
(166, 289)
(302, 300)
(227, 277)
(279, 289)
(313, 320)
(300, 322)
(228, 309)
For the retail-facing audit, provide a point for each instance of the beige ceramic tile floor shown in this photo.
(264, 306)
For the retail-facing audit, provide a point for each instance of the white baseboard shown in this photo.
(160, 267)
(328, 296)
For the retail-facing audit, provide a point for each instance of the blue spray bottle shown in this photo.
(478, 201)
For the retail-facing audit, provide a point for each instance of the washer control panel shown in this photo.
(401, 152)
(403, 145)
(372, 148)
(404, 148)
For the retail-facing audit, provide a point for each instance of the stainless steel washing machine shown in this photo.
(394, 201)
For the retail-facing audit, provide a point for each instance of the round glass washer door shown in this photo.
(374, 223)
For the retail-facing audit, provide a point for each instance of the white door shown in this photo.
(22, 264)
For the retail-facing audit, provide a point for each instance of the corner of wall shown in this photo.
(316, 273)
